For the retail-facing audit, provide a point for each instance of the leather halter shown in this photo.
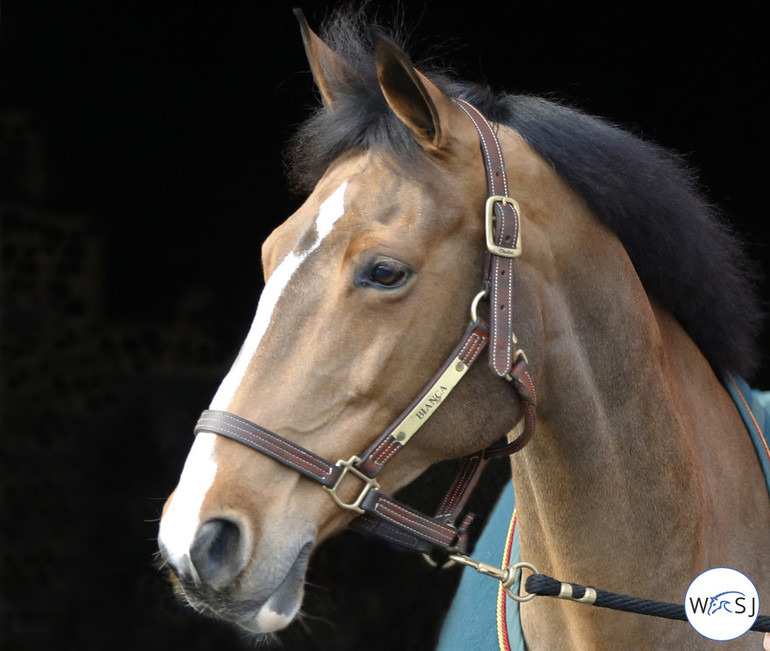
(379, 513)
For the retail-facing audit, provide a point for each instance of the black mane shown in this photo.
(683, 250)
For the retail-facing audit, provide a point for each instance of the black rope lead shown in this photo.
(545, 586)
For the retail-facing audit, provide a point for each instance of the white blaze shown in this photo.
(331, 210)
(180, 523)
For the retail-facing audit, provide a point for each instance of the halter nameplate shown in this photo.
(417, 417)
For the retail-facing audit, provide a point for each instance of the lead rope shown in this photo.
(545, 586)
(541, 585)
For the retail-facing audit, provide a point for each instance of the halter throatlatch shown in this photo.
(381, 514)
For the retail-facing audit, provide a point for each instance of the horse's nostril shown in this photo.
(217, 552)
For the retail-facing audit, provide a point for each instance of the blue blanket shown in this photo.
(472, 622)
(754, 407)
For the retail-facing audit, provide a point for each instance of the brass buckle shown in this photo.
(349, 467)
(489, 218)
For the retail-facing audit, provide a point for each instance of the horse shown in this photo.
(609, 295)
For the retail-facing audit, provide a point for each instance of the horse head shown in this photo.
(368, 288)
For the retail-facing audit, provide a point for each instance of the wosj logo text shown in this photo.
(722, 604)
(732, 602)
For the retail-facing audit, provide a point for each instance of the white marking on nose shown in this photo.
(269, 621)
(181, 520)
(331, 210)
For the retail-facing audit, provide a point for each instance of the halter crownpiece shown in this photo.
(503, 237)
(379, 513)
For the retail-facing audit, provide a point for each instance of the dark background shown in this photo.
(140, 168)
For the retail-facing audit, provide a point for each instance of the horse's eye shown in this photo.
(387, 274)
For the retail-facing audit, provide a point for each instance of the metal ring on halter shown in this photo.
(443, 566)
(475, 305)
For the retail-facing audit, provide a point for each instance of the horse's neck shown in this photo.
(621, 482)
(590, 486)
(605, 421)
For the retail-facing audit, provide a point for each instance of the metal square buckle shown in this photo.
(489, 219)
(349, 467)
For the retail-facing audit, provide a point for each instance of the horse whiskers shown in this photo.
(161, 563)
(303, 618)
(260, 640)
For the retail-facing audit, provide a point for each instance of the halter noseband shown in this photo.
(381, 514)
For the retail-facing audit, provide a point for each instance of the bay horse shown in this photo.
(609, 294)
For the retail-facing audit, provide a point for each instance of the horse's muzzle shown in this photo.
(225, 576)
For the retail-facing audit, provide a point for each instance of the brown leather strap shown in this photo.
(422, 527)
(460, 491)
(407, 538)
(407, 526)
(391, 442)
(525, 387)
(270, 444)
(506, 236)
(505, 360)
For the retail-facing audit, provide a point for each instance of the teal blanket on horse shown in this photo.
(754, 407)
(473, 622)
(480, 619)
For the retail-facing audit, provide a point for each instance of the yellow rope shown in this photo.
(502, 627)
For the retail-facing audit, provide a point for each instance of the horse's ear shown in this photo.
(416, 101)
(325, 64)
